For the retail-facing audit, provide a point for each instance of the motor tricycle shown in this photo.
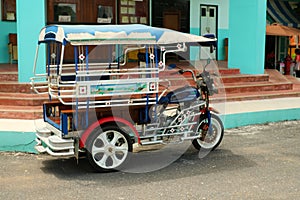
(103, 106)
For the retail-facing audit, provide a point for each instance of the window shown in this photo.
(203, 12)
(211, 12)
(81, 11)
(65, 12)
(133, 12)
(9, 10)
(105, 14)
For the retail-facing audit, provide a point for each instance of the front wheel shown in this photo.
(210, 137)
(108, 148)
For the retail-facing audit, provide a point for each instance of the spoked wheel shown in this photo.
(108, 148)
(210, 138)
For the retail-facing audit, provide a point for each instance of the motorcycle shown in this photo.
(193, 116)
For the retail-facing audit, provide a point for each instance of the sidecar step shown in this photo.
(40, 149)
(152, 142)
(190, 138)
(54, 145)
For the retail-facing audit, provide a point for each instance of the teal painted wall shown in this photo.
(247, 25)
(5, 28)
(223, 19)
(17, 141)
(262, 117)
(222, 34)
(29, 23)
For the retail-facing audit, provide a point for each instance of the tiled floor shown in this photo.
(8, 67)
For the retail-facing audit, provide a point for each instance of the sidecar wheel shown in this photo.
(108, 148)
(210, 139)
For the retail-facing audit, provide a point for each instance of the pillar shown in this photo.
(30, 20)
(247, 31)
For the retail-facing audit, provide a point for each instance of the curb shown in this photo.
(261, 117)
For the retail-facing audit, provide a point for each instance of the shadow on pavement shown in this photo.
(188, 165)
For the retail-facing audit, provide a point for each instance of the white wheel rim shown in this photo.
(212, 138)
(109, 149)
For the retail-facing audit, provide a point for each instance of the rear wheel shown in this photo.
(210, 138)
(108, 148)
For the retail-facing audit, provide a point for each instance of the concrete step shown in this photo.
(227, 80)
(8, 76)
(15, 87)
(258, 87)
(220, 66)
(233, 71)
(255, 96)
(244, 78)
(244, 89)
(275, 78)
(239, 83)
(272, 80)
(21, 112)
(6, 67)
(172, 72)
(22, 99)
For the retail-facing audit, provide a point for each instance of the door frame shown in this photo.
(216, 24)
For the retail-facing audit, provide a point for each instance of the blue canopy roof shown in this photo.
(116, 34)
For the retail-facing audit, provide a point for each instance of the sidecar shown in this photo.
(101, 102)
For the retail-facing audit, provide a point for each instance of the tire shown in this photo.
(108, 148)
(213, 138)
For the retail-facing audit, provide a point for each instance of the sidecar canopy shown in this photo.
(117, 34)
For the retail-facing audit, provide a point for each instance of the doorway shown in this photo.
(276, 50)
(166, 12)
(171, 20)
(208, 25)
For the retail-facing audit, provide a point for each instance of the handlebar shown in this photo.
(203, 80)
(205, 75)
(181, 71)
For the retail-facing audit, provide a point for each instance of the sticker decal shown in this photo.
(152, 86)
(83, 90)
(81, 57)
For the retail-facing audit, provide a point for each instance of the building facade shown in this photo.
(238, 25)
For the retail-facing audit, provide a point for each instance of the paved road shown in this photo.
(254, 162)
